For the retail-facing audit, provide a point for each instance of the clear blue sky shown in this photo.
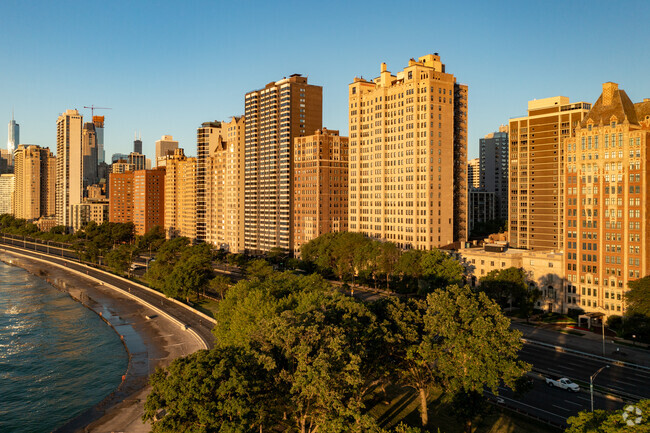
(167, 66)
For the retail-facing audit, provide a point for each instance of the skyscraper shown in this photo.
(474, 173)
(408, 156)
(137, 145)
(7, 185)
(180, 196)
(120, 203)
(98, 121)
(209, 137)
(89, 154)
(535, 218)
(69, 164)
(148, 199)
(607, 241)
(14, 135)
(494, 169)
(275, 116)
(320, 186)
(165, 146)
(35, 170)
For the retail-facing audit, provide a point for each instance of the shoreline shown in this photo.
(149, 343)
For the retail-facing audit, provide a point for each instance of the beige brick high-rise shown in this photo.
(408, 156)
(35, 170)
(180, 196)
(225, 187)
(320, 173)
(275, 116)
(69, 164)
(606, 237)
(536, 203)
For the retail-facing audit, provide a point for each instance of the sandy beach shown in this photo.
(151, 343)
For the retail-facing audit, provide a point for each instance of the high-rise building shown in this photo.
(122, 166)
(320, 186)
(138, 160)
(165, 146)
(5, 162)
(180, 196)
(493, 149)
(209, 137)
(98, 121)
(225, 185)
(606, 235)
(481, 207)
(119, 156)
(13, 136)
(275, 116)
(34, 194)
(408, 156)
(137, 144)
(7, 185)
(69, 164)
(89, 154)
(474, 173)
(535, 217)
(120, 209)
(148, 199)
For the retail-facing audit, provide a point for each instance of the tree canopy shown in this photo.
(638, 297)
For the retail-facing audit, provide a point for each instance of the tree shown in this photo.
(638, 297)
(388, 258)
(220, 284)
(601, 421)
(259, 269)
(440, 269)
(222, 390)
(168, 255)
(475, 347)
(192, 271)
(467, 406)
(119, 259)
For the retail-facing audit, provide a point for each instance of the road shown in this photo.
(184, 315)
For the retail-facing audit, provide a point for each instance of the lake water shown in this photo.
(57, 357)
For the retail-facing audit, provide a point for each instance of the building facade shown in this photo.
(320, 186)
(148, 199)
(35, 181)
(87, 211)
(225, 187)
(474, 173)
(180, 196)
(275, 116)
(209, 137)
(120, 209)
(408, 156)
(165, 146)
(536, 166)
(482, 207)
(7, 185)
(138, 160)
(98, 121)
(494, 169)
(89, 154)
(69, 164)
(607, 237)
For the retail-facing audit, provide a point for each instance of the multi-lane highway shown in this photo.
(184, 315)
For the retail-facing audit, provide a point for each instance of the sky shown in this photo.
(165, 67)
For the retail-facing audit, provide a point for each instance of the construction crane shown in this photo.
(93, 108)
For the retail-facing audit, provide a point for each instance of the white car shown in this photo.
(563, 383)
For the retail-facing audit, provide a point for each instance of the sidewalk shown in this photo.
(589, 342)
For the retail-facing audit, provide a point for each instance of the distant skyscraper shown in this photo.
(69, 164)
(14, 137)
(138, 160)
(275, 116)
(6, 193)
(408, 156)
(89, 154)
(474, 173)
(165, 146)
(119, 156)
(98, 121)
(494, 169)
(137, 145)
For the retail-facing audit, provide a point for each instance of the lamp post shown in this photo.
(591, 384)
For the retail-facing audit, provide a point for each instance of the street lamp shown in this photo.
(591, 384)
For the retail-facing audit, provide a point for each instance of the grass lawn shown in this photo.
(206, 306)
(404, 404)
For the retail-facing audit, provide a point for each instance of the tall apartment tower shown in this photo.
(14, 135)
(137, 144)
(493, 149)
(209, 137)
(180, 196)
(89, 154)
(408, 156)
(607, 237)
(165, 146)
(537, 143)
(225, 188)
(7, 188)
(69, 164)
(320, 173)
(35, 170)
(275, 116)
(98, 121)
(120, 203)
(138, 160)
(474, 173)
(148, 199)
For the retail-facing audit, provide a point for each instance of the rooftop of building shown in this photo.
(614, 105)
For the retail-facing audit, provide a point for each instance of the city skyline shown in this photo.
(150, 81)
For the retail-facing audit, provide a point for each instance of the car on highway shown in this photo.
(563, 383)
